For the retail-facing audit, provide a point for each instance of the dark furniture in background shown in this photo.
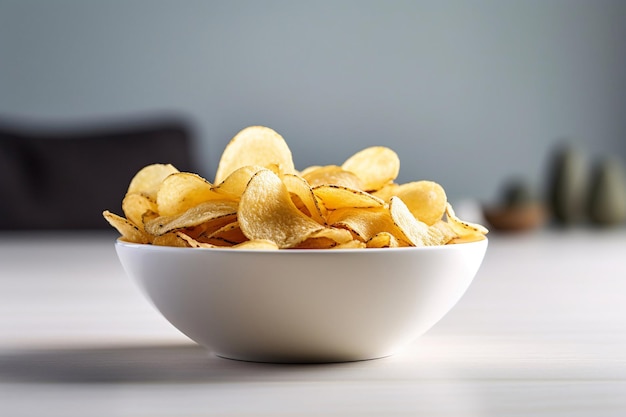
(63, 178)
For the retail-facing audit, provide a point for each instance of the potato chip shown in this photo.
(415, 232)
(255, 145)
(388, 191)
(235, 183)
(327, 238)
(363, 222)
(332, 174)
(129, 231)
(148, 180)
(222, 211)
(353, 244)
(309, 169)
(170, 239)
(300, 187)
(316, 243)
(466, 231)
(261, 244)
(335, 234)
(230, 234)
(425, 199)
(193, 242)
(375, 166)
(385, 240)
(267, 212)
(336, 196)
(181, 191)
(136, 206)
(447, 231)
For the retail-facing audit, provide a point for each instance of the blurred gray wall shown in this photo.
(469, 93)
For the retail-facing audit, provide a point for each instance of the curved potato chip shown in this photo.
(426, 199)
(235, 183)
(446, 230)
(230, 233)
(417, 233)
(384, 240)
(309, 169)
(149, 178)
(262, 244)
(466, 231)
(364, 223)
(337, 196)
(316, 243)
(335, 234)
(222, 210)
(136, 206)
(255, 145)
(300, 187)
(129, 231)
(266, 211)
(181, 191)
(388, 191)
(193, 242)
(332, 174)
(353, 244)
(375, 166)
(170, 239)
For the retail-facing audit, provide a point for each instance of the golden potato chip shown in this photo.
(148, 179)
(230, 233)
(332, 174)
(353, 244)
(415, 232)
(255, 145)
(235, 183)
(327, 238)
(148, 216)
(300, 187)
(336, 196)
(375, 166)
(181, 191)
(136, 206)
(170, 239)
(335, 234)
(425, 199)
(261, 244)
(309, 169)
(129, 231)
(388, 191)
(267, 212)
(363, 222)
(384, 240)
(222, 210)
(316, 243)
(466, 231)
(447, 231)
(193, 242)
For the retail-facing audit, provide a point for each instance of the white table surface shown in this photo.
(541, 332)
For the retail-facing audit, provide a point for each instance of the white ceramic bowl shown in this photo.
(303, 305)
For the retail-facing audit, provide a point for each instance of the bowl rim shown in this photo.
(149, 247)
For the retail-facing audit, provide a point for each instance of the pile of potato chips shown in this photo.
(258, 200)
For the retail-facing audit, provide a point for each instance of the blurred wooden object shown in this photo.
(515, 219)
(518, 210)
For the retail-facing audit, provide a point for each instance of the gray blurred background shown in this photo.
(469, 93)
